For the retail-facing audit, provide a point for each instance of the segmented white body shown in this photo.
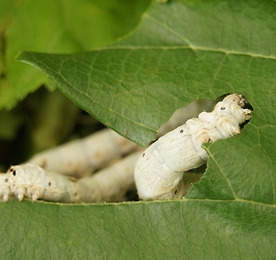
(159, 170)
(82, 157)
(32, 181)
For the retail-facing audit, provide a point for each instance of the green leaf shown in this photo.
(190, 229)
(55, 26)
(182, 51)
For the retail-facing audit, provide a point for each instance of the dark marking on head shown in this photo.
(181, 131)
(13, 171)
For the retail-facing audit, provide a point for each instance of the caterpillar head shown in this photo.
(232, 106)
(28, 173)
(235, 98)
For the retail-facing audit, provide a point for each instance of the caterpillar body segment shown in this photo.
(111, 183)
(82, 157)
(159, 170)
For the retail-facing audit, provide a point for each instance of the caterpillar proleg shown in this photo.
(33, 182)
(159, 170)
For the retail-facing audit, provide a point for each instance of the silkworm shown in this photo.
(82, 157)
(33, 182)
(159, 170)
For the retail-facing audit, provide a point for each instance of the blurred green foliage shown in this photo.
(45, 118)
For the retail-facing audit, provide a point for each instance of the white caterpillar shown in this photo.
(46, 175)
(82, 157)
(159, 170)
(33, 182)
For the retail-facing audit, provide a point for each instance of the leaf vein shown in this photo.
(223, 175)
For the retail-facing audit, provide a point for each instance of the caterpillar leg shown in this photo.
(33, 182)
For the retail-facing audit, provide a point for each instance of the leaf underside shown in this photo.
(182, 51)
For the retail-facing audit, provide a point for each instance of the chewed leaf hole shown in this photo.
(181, 115)
(193, 176)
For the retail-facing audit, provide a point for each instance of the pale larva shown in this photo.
(32, 181)
(111, 183)
(82, 157)
(159, 170)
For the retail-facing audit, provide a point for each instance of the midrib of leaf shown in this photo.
(130, 203)
(193, 47)
(236, 200)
